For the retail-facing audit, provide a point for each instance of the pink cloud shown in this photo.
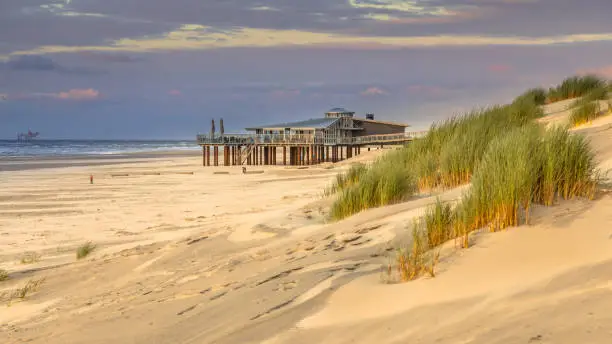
(373, 91)
(604, 71)
(72, 94)
(174, 92)
(79, 94)
(499, 68)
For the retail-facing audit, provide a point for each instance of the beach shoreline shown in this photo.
(21, 163)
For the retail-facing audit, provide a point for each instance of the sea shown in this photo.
(65, 148)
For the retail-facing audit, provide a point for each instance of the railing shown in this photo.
(250, 139)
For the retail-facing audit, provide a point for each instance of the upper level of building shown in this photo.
(339, 112)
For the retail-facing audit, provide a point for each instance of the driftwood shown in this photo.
(244, 171)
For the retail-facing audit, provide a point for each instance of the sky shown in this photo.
(160, 69)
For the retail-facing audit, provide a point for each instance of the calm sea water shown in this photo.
(91, 148)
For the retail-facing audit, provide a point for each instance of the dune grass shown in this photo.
(4, 275)
(85, 249)
(379, 185)
(418, 260)
(446, 157)
(438, 222)
(30, 258)
(21, 293)
(536, 95)
(576, 86)
(345, 180)
(587, 108)
(529, 165)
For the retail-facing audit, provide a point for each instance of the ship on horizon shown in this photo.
(26, 137)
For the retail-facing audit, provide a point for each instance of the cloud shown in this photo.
(413, 7)
(30, 25)
(373, 91)
(41, 63)
(32, 62)
(191, 37)
(265, 8)
(75, 94)
(79, 94)
(106, 57)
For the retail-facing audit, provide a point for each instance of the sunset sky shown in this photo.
(147, 69)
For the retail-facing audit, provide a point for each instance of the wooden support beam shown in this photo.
(285, 155)
(301, 148)
(302, 156)
(274, 155)
(216, 155)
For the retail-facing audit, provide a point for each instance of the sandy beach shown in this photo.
(184, 255)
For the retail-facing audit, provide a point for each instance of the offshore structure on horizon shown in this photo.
(335, 137)
(27, 137)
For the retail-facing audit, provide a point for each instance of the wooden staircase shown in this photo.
(246, 153)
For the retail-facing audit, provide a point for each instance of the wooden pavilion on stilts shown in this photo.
(335, 137)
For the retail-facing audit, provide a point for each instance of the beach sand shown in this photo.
(234, 258)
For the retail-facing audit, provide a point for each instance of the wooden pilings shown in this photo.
(299, 155)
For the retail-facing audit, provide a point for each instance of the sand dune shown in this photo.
(236, 258)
